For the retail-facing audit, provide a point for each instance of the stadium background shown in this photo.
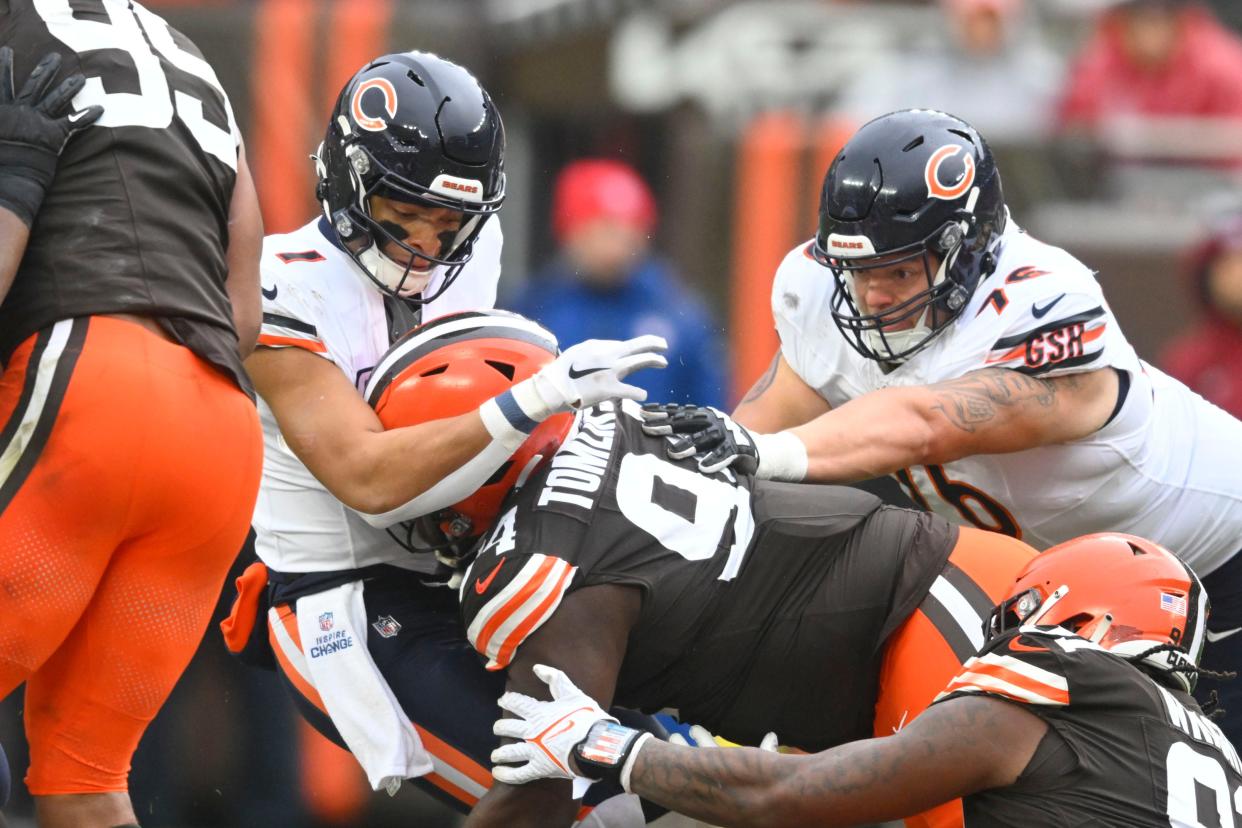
(731, 110)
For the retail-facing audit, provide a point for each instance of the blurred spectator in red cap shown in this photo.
(1208, 358)
(1159, 80)
(989, 65)
(605, 283)
(591, 190)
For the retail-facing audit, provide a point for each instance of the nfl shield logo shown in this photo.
(387, 626)
(325, 621)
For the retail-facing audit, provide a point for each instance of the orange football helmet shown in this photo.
(448, 367)
(1122, 592)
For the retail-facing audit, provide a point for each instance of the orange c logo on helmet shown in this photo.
(366, 121)
(935, 189)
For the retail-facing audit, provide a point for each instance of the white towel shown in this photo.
(333, 628)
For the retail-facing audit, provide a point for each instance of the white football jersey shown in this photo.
(1165, 467)
(316, 298)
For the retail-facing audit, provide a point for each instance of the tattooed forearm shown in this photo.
(939, 757)
(723, 786)
(764, 382)
(981, 396)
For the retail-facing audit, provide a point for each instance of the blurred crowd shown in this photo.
(1121, 123)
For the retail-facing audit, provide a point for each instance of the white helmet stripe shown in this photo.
(503, 324)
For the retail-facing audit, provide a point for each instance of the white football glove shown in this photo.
(589, 373)
(550, 730)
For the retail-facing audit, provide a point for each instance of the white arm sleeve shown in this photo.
(467, 478)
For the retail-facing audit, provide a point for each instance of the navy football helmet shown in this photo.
(416, 128)
(908, 186)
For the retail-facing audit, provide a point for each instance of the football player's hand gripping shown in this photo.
(550, 731)
(718, 442)
(589, 373)
(35, 125)
(572, 736)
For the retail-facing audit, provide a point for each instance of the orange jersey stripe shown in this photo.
(290, 342)
(1094, 334)
(1012, 353)
(1034, 686)
(514, 603)
(1020, 350)
(533, 620)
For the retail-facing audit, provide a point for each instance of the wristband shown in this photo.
(505, 420)
(24, 179)
(603, 753)
(532, 403)
(782, 456)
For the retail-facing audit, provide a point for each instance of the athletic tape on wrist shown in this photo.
(532, 402)
(629, 761)
(505, 420)
(21, 194)
(782, 456)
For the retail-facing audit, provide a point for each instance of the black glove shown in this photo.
(706, 432)
(34, 127)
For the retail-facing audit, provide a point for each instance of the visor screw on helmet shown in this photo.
(950, 238)
(344, 226)
(360, 163)
(460, 526)
(956, 298)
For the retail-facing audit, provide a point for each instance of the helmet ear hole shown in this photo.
(1076, 622)
(1128, 595)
